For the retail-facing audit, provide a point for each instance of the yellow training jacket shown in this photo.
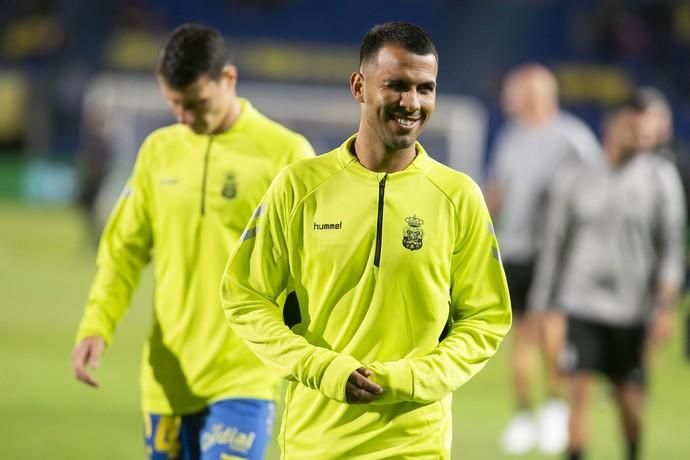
(188, 200)
(397, 272)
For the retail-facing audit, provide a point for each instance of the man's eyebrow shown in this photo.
(195, 101)
(431, 83)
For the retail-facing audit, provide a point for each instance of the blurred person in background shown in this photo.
(93, 160)
(658, 135)
(402, 296)
(194, 187)
(538, 140)
(660, 139)
(613, 261)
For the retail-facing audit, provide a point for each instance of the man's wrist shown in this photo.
(336, 376)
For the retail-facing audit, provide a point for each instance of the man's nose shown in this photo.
(410, 101)
(185, 117)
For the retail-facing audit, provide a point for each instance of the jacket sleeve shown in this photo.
(124, 249)
(671, 225)
(556, 236)
(255, 277)
(480, 316)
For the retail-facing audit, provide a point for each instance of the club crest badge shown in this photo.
(230, 187)
(413, 233)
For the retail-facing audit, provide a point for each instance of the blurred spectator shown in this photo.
(92, 161)
(30, 30)
(538, 140)
(33, 33)
(612, 260)
(658, 135)
(13, 126)
(660, 139)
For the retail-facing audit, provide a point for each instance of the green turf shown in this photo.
(45, 270)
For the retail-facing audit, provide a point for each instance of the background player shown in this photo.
(613, 260)
(538, 140)
(194, 187)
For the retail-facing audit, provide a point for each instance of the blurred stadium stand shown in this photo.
(51, 52)
(121, 109)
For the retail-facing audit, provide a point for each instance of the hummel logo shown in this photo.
(168, 181)
(337, 226)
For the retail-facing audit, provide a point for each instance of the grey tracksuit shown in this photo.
(612, 233)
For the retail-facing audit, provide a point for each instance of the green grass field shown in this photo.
(46, 266)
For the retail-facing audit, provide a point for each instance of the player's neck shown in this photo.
(375, 157)
(234, 112)
(617, 157)
(540, 115)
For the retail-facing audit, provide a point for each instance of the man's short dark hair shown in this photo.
(405, 35)
(628, 106)
(191, 51)
(648, 96)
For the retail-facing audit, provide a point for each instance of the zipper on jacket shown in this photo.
(205, 176)
(379, 222)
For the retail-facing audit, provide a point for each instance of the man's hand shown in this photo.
(360, 390)
(87, 353)
(661, 327)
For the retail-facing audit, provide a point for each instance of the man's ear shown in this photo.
(230, 74)
(357, 86)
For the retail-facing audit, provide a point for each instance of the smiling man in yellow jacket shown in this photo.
(194, 188)
(393, 258)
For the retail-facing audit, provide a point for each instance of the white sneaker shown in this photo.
(520, 435)
(553, 427)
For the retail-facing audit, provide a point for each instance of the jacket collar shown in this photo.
(348, 160)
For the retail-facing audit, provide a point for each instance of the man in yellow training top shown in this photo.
(194, 188)
(393, 258)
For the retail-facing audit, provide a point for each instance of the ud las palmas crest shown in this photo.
(230, 187)
(413, 233)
